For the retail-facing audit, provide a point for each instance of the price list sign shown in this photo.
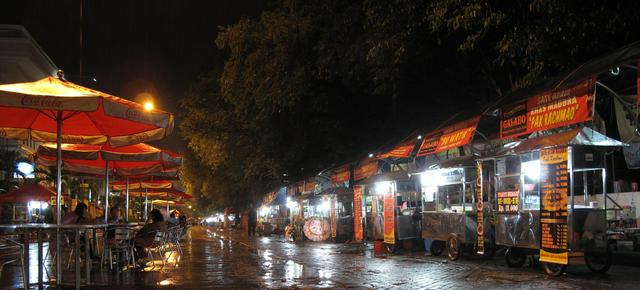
(553, 212)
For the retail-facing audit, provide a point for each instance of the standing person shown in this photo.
(252, 220)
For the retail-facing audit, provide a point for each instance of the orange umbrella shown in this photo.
(54, 110)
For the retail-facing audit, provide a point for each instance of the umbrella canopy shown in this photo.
(88, 116)
(136, 152)
(27, 193)
(97, 167)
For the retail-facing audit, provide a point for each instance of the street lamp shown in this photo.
(148, 106)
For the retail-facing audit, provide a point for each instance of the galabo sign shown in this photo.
(549, 110)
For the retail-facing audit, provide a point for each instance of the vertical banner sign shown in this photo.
(389, 217)
(334, 218)
(638, 85)
(357, 213)
(553, 212)
(549, 110)
(480, 209)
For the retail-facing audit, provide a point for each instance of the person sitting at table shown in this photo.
(78, 216)
(144, 238)
(114, 218)
(172, 221)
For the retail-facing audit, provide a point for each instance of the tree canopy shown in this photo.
(313, 84)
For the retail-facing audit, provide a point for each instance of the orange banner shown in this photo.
(334, 218)
(401, 151)
(365, 170)
(309, 185)
(388, 213)
(450, 137)
(357, 213)
(341, 175)
(550, 110)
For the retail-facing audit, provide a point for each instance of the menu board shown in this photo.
(480, 209)
(334, 219)
(389, 217)
(553, 212)
(552, 109)
(508, 201)
(357, 213)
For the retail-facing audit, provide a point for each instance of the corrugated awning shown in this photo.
(583, 136)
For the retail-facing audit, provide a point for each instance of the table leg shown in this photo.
(77, 259)
(40, 262)
(87, 255)
(25, 236)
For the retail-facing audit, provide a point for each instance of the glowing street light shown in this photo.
(148, 106)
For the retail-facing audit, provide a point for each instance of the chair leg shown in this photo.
(24, 269)
(110, 259)
(69, 260)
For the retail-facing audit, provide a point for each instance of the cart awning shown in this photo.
(577, 137)
(387, 176)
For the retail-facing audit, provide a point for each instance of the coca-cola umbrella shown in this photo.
(151, 187)
(164, 194)
(131, 160)
(54, 110)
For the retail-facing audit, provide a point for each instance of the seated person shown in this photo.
(172, 221)
(144, 238)
(78, 216)
(114, 218)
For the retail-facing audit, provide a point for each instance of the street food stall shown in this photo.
(452, 204)
(551, 199)
(391, 204)
(340, 212)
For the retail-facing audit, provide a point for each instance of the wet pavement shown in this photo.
(228, 259)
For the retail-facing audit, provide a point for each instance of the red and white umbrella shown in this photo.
(54, 110)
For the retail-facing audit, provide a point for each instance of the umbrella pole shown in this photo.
(106, 192)
(126, 205)
(58, 196)
(146, 203)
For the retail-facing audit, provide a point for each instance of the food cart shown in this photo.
(391, 204)
(551, 200)
(449, 209)
(340, 212)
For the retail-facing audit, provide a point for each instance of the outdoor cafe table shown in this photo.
(26, 229)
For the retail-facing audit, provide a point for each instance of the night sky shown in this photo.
(157, 47)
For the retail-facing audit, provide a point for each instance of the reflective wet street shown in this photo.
(228, 259)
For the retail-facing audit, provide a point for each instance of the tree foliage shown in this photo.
(314, 83)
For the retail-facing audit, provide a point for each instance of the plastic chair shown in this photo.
(11, 251)
(122, 244)
(158, 246)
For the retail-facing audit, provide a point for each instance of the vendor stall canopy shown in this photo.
(583, 136)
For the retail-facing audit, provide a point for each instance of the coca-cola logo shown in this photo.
(134, 114)
(73, 139)
(40, 101)
(139, 138)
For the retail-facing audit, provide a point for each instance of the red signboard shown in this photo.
(638, 84)
(341, 175)
(401, 151)
(357, 213)
(365, 170)
(309, 185)
(450, 137)
(388, 213)
(549, 110)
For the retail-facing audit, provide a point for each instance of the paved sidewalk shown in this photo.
(230, 260)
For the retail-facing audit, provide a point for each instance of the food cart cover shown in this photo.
(337, 191)
(580, 136)
(387, 176)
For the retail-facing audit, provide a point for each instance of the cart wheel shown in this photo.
(553, 269)
(436, 248)
(453, 248)
(599, 262)
(515, 257)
